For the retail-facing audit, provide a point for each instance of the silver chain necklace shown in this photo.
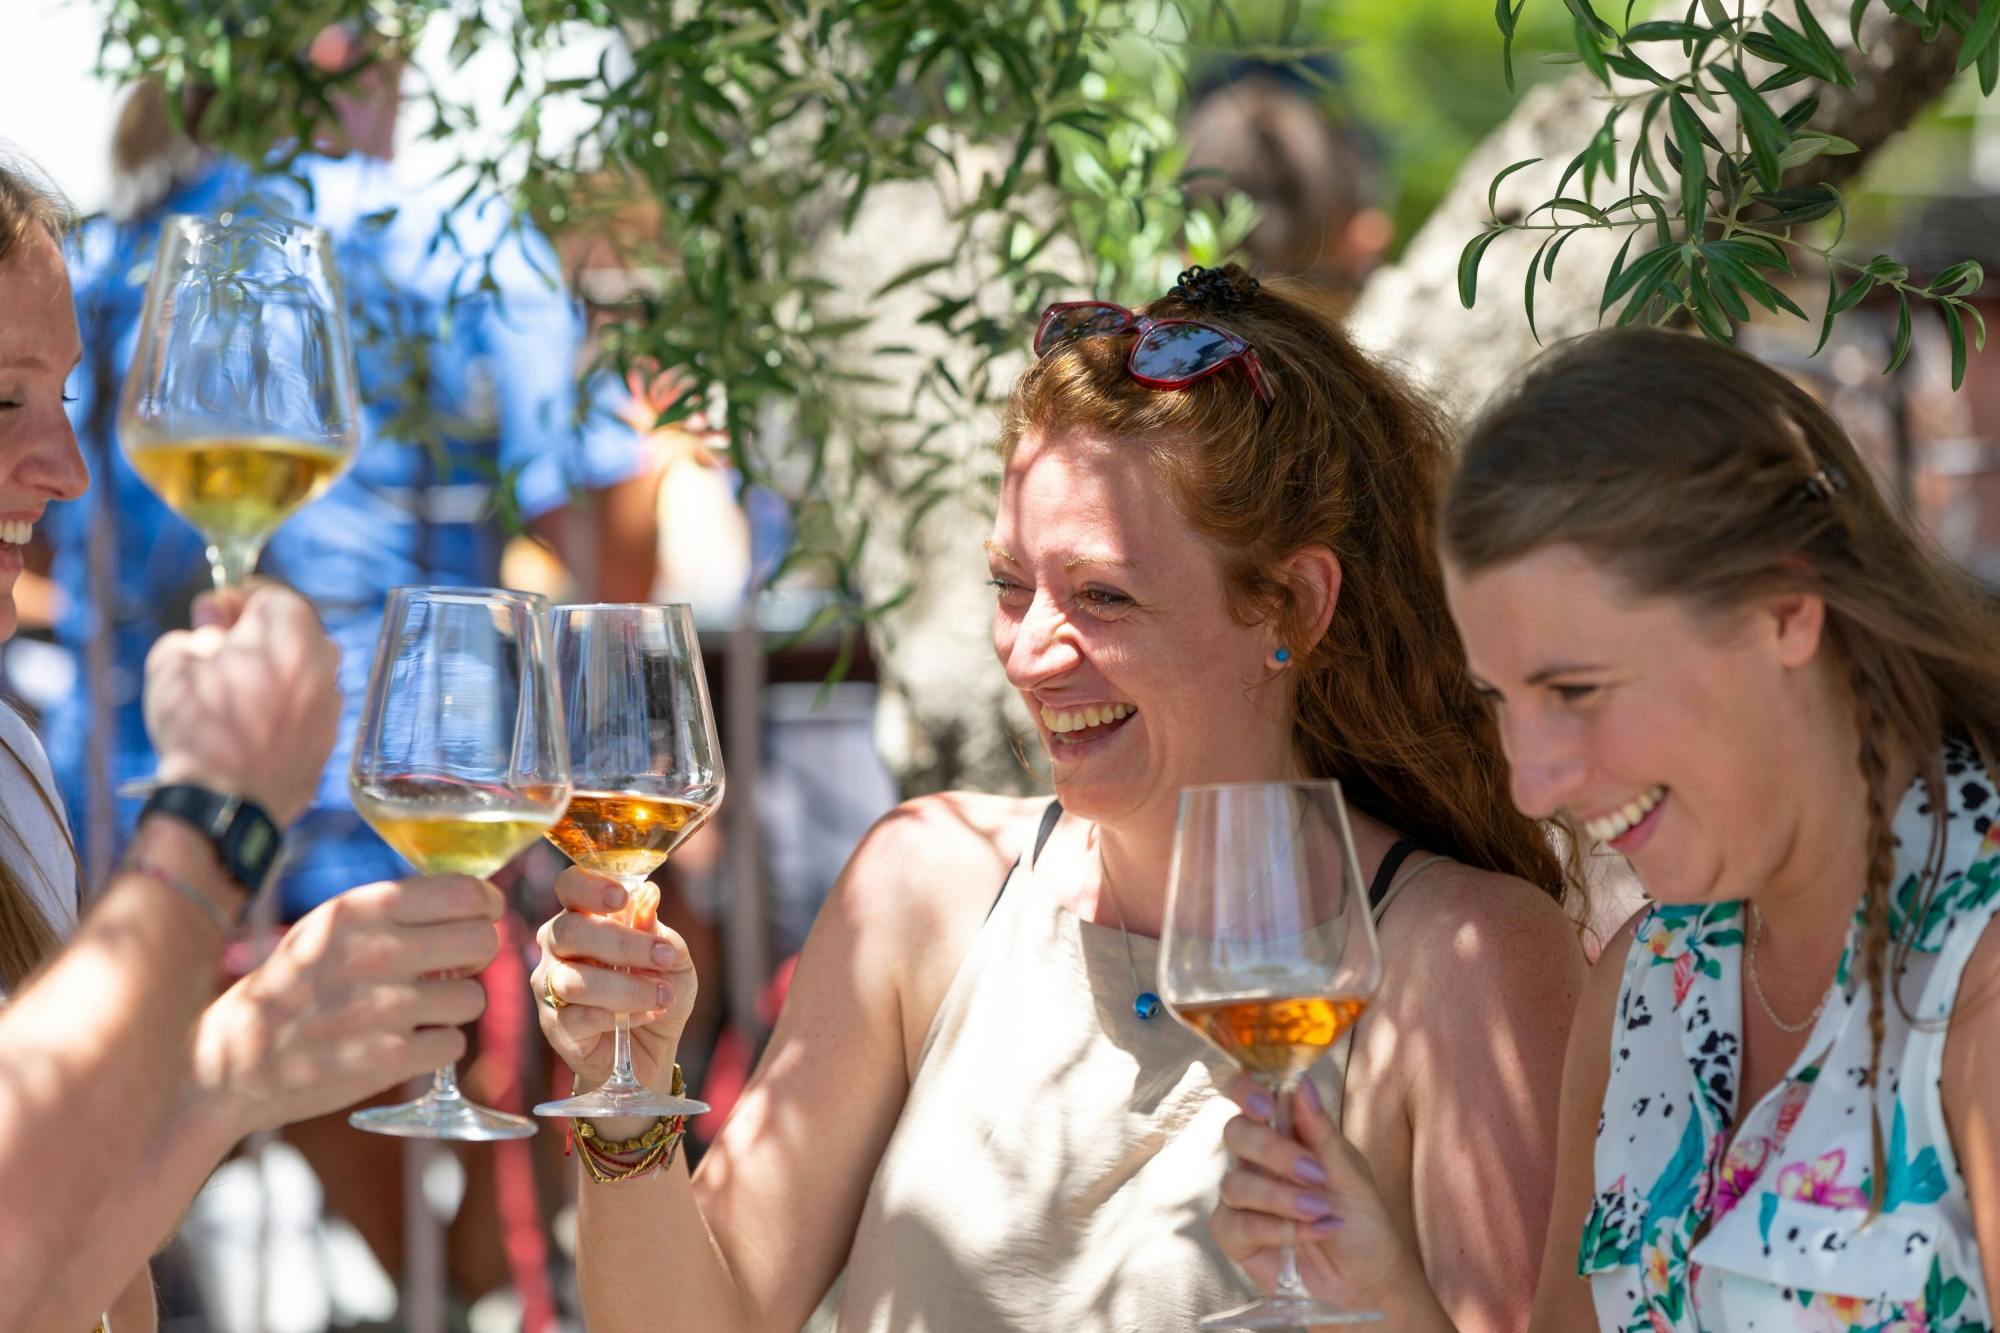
(1757, 987)
(1144, 1002)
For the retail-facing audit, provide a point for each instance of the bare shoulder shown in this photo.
(938, 852)
(1452, 918)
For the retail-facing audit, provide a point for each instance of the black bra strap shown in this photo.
(1385, 874)
(1049, 818)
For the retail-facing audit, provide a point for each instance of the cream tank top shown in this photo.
(1057, 1159)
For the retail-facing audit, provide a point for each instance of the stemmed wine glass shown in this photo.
(240, 403)
(460, 763)
(648, 773)
(1268, 951)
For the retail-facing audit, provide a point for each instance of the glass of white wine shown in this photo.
(647, 773)
(1268, 951)
(460, 763)
(240, 403)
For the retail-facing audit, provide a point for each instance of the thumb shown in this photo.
(1310, 1122)
(217, 609)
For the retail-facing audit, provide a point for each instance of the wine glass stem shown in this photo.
(231, 563)
(623, 1076)
(1289, 1281)
(444, 1084)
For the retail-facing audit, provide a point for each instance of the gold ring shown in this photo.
(549, 996)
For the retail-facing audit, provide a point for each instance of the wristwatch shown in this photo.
(246, 840)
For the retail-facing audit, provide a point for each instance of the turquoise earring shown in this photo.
(1283, 655)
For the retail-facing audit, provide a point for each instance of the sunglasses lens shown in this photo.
(1182, 351)
(1083, 321)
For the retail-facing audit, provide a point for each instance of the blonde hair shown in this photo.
(1348, 457)
(1695, 472)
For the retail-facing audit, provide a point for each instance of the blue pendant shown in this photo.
(1146, 1005)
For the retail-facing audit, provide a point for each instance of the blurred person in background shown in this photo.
(125, 1080)
(468, 352)
(1261, 129)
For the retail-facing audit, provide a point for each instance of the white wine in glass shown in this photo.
(460, 763)
(240, 404)
(647, 772)
(1268, 951)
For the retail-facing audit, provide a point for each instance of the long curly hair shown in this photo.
(1693, 471)
(1348, 457)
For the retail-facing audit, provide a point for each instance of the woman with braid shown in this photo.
(1212, 562)
(1713, 646)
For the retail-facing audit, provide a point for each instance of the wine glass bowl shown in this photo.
(1268, 951)
(460, 763)
(647, 771)
(240, 404)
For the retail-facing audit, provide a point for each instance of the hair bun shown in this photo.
(1219, 290)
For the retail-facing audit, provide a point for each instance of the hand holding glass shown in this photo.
(1268, 951)
(648, 773)
(240, 403)
(460, 764)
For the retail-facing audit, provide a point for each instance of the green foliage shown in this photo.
(739, 134)
(1708, 158)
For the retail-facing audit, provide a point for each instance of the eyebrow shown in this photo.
(1109, 562)
(994, 548)
(1554, 669)
(36, 361)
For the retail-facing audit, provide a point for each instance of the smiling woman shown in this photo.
(1212, 562)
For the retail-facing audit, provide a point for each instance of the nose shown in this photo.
(1545, 765)
(1038, 647)
(53, 464)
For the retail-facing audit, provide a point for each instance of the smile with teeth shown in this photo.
(1619, 822)
(15, 532)
(1083, 719)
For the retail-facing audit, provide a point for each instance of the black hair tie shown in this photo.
(1212, 289)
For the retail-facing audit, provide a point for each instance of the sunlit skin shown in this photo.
(1602, 695)
(39, 347)
(1104, 595)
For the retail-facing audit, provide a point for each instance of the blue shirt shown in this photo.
(467, 375)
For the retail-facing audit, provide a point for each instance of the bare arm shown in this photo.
(1501, 969)
(95, 1050)
(1972, 1095)
(756, 1238)
(611, 540)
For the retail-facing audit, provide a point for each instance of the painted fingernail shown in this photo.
(1326, 1226)
(1312, 1205)
(660, 996)
(1312, 1094)
(1260, 1106)
(614, 896)
(1308, 1171)
(663, 953)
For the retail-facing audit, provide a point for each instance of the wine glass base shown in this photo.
(1285, 1312)
(443, 1118)
(606, 1103)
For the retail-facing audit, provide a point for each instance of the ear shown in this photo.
(1312, 573)
(1797, 625)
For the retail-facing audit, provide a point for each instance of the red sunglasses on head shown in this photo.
(1167, 354)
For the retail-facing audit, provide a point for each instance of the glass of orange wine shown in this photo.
(240, 403)
(1268, 951)
(460, 763)
(647, 772)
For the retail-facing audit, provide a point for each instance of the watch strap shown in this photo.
(245, 838)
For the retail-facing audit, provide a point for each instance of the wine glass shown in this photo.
(648, 773)
(240, 403)
(460, 763)
(1268, 951)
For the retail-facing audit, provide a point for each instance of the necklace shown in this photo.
(1144, 1002)
(1757, 987)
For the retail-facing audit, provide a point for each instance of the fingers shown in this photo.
(431, 899)
(581, 890)
(1251, 1191)
(580, 985)
(578, 937)
(1241, 1234)
(1278, 1156)
(219, 609)
(409, 1005)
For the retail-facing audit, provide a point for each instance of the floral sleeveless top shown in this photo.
(1707, 1223)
